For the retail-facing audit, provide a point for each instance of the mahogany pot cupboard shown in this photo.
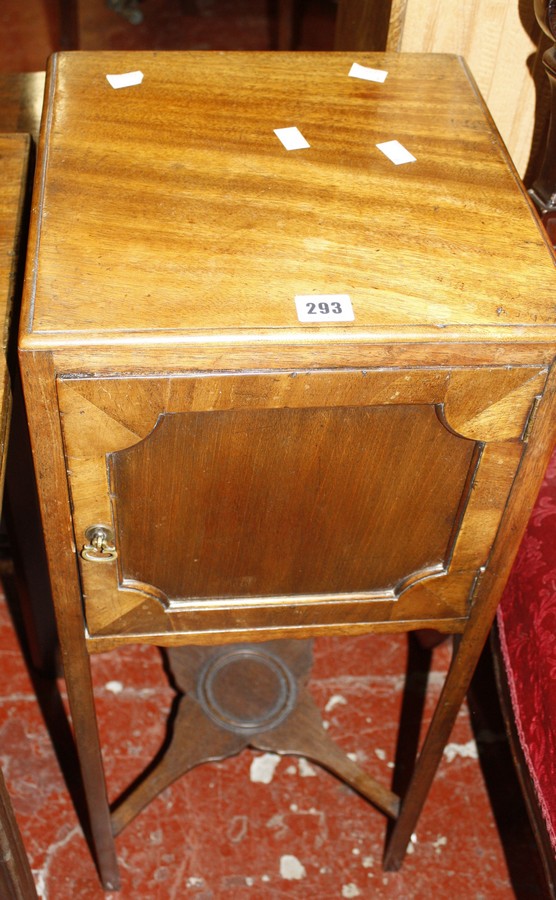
(278, 393)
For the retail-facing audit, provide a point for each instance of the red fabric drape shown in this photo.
(527, 626)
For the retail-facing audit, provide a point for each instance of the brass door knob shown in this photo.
(100, 544)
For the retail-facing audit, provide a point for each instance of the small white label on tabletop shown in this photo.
(127, 79)
(367, 74)
(396, 153)
(324, 308)
(291, 138)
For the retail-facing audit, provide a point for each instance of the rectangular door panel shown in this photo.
(247, 503)
(290, 497)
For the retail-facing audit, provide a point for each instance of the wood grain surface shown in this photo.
(499, 39)
(178, 212)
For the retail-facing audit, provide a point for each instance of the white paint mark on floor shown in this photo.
(306, 770)
(441, 841)
(335, 700)
(412, 842)
(291, 869)
(194, 882)
(115, 687)
(380, 754)
(368, 862)
(466, 751)
(350, 890)
(263, 768)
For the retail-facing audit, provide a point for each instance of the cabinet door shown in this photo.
(289, 500)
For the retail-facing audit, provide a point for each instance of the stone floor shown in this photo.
(262, 826)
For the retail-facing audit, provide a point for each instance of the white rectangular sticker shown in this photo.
(324, 308)
(291, 138)
(127, 79)
(367, 74)
(396, 152)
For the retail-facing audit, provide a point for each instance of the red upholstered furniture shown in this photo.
(525, 646)
(527, 634)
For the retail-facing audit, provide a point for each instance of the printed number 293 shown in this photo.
(324, 308)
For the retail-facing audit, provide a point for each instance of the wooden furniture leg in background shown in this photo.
(285, 24)
(365, 24)
(16, 879)
(543, 189)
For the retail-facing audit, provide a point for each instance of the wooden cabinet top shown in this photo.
(170, 208)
